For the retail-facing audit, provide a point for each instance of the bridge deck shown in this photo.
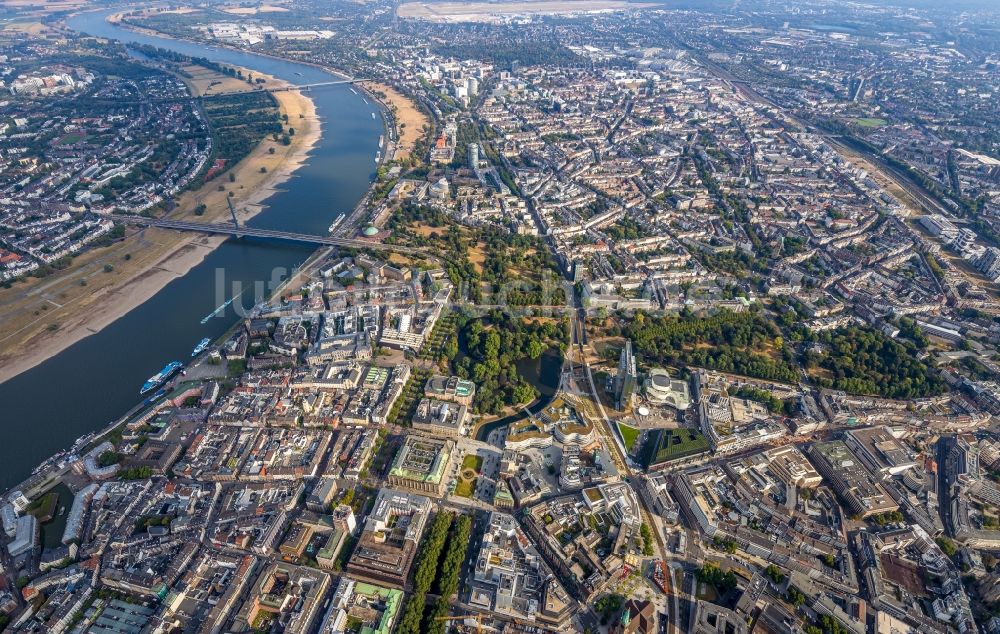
(229, 229)
(287, 88)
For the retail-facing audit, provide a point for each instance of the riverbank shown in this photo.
(42, 317)
(118, 19)
(409, 120)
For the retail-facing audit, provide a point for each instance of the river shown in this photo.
(96, 380)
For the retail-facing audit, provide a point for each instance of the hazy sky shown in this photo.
(724, 5)
(930, 4)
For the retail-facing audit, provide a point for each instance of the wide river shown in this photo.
(96, 380)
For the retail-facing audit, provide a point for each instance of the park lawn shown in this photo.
(468, 475)
(71, 138)
(203, 81)
(472, 461)
(869, 122)
(477, 255)
(465, 488)
(629, 435)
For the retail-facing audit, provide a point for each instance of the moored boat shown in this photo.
(202, 345)
(160, 377)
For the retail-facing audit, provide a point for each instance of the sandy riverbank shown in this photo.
(405, 110)
(42, 317)
(410, 121)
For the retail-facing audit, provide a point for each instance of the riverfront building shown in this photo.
(77, 512)
(26, 536)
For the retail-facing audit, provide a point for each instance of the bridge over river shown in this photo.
(239, 231)
(287, 88)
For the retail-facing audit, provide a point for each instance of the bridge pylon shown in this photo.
(232, 211)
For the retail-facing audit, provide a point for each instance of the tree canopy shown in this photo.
(865, 361)
(726, 341)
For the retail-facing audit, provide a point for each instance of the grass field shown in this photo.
(472, 461)
(866, 122)
(465, 488)
(468, 475)
(265, 8)
(72, 137)
(205, 81)
(409, 118)
(629, 435)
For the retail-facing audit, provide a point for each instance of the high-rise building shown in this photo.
(626, 379)
(989, 263)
